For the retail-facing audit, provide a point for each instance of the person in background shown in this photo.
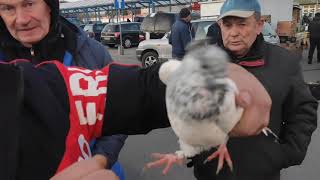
(35, 30)
(214, 33)
(314, 30)
(181, 34)
(293, 116)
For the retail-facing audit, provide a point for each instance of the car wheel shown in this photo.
(149, 58)
(127, 43)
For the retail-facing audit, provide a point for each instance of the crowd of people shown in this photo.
(35, 31)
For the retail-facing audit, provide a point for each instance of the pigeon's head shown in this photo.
(208, 60)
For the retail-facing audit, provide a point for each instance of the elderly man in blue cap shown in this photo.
(293, 116)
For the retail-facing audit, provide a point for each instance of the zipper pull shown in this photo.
(31, 51)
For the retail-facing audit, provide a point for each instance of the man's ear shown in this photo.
(167, 69)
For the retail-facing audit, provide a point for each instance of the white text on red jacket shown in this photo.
(87, 92)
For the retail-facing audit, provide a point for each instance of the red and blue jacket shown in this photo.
(65, 107)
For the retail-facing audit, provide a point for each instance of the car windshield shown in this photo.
(201, 29)
(267, 30)
(111, 28)
(99, 27)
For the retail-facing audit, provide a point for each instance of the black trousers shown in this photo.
(257, 168)
(208, 172)
(314, 43)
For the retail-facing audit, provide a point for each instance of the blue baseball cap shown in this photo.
(239, 8)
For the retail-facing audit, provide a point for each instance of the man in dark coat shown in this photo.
(214, 34)
(181, 34)
(34, 30)
(314, 29)
(293, 113)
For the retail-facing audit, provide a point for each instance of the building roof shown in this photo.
(302, 2)
(100, 3)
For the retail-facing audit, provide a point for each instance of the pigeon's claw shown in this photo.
(223, 154)
(165, 159)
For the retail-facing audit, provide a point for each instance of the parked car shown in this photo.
(152, 51)
(138, 19)
(82, 26)
(94, 30)
(131, 34)
(269, 34)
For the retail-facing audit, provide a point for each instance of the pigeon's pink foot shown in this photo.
(165, 159)
(223, 154)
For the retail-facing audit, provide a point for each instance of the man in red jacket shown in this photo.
(63, 100)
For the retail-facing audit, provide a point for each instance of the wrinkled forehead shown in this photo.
(16, 2)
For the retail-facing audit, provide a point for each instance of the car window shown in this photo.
(111, 28)
(99, 27)
(267, 30)
(125, 27)
(88, 28)
(159, 22)
(201, 29)
(134, 27)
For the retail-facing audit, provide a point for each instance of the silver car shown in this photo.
(152, 51)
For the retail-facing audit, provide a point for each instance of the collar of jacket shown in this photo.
(254, 57)
(60, 38)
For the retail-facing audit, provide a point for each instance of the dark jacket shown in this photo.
(214, 33)
(314, 28)
(84, 51)
(181, 36)
(37, 142)
(293, 118)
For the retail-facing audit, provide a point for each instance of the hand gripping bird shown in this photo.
(201, 106)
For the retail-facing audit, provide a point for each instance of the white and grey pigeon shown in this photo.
(201, 107)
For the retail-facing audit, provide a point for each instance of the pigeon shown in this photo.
(201, 107)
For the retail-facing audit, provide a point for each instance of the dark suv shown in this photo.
(94, 30)
(131, 34)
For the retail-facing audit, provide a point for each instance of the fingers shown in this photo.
(100, 161)
(101, 175)
(243, 99)
(82, 168)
